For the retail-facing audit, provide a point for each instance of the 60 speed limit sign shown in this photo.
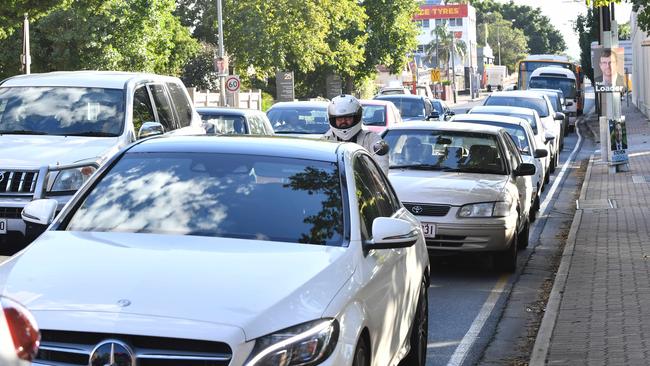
(233, 84)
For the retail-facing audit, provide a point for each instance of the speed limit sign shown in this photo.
(233, 84)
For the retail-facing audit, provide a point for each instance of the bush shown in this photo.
(267, 101)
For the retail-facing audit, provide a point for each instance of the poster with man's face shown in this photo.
(609, 75)
(617, 141)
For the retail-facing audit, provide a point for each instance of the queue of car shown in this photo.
(278, 251)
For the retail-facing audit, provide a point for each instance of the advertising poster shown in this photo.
(609, 74)
(618, 141)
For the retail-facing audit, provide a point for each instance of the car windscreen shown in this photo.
(217, 195)
(538, 104)
(374, 115)
(61, 111)
(408, 107)
(450, 151)
(301, 120)
(225, 124)
(568, 86)
(517, 133)
(438, 107)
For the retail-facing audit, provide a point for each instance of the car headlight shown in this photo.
(72, 179)
(487, 209)
(305, 344)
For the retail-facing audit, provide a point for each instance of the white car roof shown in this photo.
(477, 117)
(90, 79)
(445, 126)
(504, 109)
(518, 93)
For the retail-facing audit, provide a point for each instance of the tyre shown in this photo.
(361, 354)
(506, 261)
(419, 337)
(523, 237)
(553, 160)
(534, 209)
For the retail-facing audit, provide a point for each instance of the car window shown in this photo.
(408, 107)
(452, 151)
(225, 124)
(374, 115)
(302, 120)
(512, 152)
(255, 125)
(382, 183)
(438, 107)
(163, 107)
(182, 104)
(217, 195)
(62, 111)
(372, 196)
(538, 104)
(142, 110)
(264, 123)
(516, 132)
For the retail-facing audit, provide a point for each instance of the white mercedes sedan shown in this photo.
(211, 250)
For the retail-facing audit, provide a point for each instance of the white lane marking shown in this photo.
(442, 344)
(470, 337)
(475, 329)
(558, 179)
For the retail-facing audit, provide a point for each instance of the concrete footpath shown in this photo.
(599, 308)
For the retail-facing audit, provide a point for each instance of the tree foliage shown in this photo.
(135, 35)
(642, 7)
(587, 27)
(543, 37)
(12, 13)
(514, 43)
(347, 37)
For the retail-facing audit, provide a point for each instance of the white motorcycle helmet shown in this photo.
(345, 106)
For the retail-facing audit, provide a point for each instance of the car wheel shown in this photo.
(535, 208)
(523, 237)
(506, 260)
(417, 356)
(361, 357)
(552, 167)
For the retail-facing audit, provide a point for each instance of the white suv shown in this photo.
(57, 128)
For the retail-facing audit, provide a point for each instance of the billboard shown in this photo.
(441, 12)
(609, 74)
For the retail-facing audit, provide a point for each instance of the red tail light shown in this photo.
(23, 329)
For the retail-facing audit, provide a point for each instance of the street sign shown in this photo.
(233, 84)
(333, 84)
(435, 75)
(284, 86)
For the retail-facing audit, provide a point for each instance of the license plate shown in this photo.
(429, 230)
(3, 226)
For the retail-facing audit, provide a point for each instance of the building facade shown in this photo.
(640, 66)
(460, 20)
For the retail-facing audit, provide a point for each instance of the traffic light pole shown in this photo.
(222, 75)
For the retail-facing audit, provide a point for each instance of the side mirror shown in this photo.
(391, 233)
(380, 148)
(559, 116)
(540, 153)
(434, 115)
(515, 87)
(210, 128)
(525, 169)
(40, 212)
(451, 113)
(569, 104)
(149, 129)
(548, 136)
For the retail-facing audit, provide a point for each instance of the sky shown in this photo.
(563, 12)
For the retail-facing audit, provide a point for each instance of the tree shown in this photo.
(135, 35)
(12, 13)
(543, 37)
(641, 7)
(624, 31)
(587, 27)
(514, 43)
(443, 46)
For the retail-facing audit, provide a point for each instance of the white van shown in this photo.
(559, 78)
(57, 128)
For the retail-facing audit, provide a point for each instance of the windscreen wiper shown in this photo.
(92, 133)
(22, 132)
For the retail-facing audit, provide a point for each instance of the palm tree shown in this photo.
(443, 46)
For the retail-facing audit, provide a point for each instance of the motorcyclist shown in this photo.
(344, 114)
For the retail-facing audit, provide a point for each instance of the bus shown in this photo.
(526, 67)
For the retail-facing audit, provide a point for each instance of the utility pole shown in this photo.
(499, 40)
(26, 58)
(453, 65)
(222, 75)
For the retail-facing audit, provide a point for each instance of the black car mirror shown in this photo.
(434, 115)
(380, 148)
(569, 104)
(540, 153)
(525, 169)
(559, 116)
